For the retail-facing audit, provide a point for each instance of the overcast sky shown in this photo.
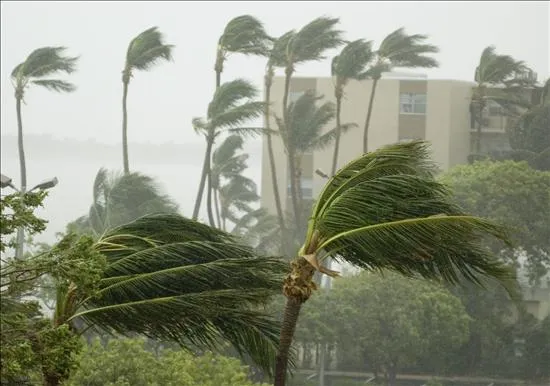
(162, 102)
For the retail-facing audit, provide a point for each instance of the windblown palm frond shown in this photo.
(146, 50)
(306, 123)
(245, 35)
(386, 211)
(352, 61)
(120, 199)
(403, 50)
(496, 69)
(312, 41)
(174, 279)
(41, 63)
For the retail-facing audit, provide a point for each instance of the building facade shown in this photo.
(405, 108)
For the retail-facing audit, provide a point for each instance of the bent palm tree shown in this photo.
(276, 58)
(302, 132)
(144, 52)
(120, 199)
(229, 109)
(496, 70)
(385, 210)
(170, 278)
(397, 50)
(36, 70)
(350, 64)
(308, 44)
(236, 196)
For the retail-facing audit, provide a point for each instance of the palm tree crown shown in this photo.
(352, 63)
(42, 63)
(145, 51)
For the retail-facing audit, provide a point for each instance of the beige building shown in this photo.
(404, 108)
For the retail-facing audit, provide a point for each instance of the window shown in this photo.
(494, 109)
(307, 188)
(410, 103)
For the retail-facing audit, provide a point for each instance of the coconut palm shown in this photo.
(236, 196)
(230, 108)
(275, 59)
(302, 132)
(350, 64)
(144, 52)
(120, 199)
(397, 50)
(168, 278)
(37, 70)
(226, 164)
(498, 79)
(386, 211)
(244, 35)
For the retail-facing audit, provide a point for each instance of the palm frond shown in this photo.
(238, 115)
(385, 210)
(229, 95)
(404, 50)
(312, 41)
(246, 35)
(226, 151)
(147, 49)
(55, 85)
(175, 279)
(352, 61)
(45, 61)
(497, 69)
(328, 138)
(277, 55)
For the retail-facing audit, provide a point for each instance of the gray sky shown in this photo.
(162, 102)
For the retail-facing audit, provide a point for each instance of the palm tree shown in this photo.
(495, 71)
(244, 35)
(168, 278)
(301, 132)
(350, 64)
(36, 70)
(386, 211)
(276, 59)
(226, 164)
(229, 109)
(397, 50)
(144, 52)
(308, 44)
(120, 199)
(237, 196)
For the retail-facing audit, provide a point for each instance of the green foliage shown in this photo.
(119, 199)
(126, 362)
(512, 194)
(352, 61)
(44, 62)
(243, 34)
(18, 211)
(145, 51)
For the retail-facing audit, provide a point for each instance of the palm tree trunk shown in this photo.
(125, 160)
(20, 240)
(205, 168)
(294, 187)
(290, 319)
(209, 195)
(274, 182)
(297, 288)
(338, 132)
(369, 113)
(217, 208)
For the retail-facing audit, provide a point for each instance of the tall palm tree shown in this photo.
(275, 59)
(226, 164)
(172, 279)
(397, 50)
(144, 52)
(385, 210)
(230, 108)
(492, 73)
(37, 69)
(302, 132)
(120, 199)
(350, 64)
